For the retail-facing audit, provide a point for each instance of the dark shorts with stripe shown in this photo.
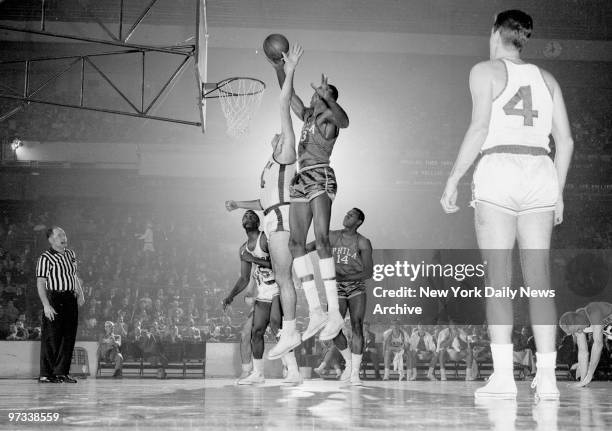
(313, 181)
(349, 289)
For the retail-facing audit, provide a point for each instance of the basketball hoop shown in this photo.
(239, 98)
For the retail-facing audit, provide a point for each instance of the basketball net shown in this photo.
(240, 98)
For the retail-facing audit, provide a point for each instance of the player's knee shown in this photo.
(257, 333)
(296, 246)
(322, 241)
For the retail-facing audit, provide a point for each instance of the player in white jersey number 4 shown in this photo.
(517, 190)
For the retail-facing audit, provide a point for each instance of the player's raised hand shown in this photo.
(323, 89)
(449, 198)
(292, 58)
(231, 205)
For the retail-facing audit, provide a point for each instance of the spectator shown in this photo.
(147, 238)
(192, 333)
(35, 334)
(150, 345)
(394, 344)
(173, 335)
(13, 336)
(22, 332)
(453, 343)
(109, 346)
(421, 348)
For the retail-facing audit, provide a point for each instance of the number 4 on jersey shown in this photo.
(528, 114)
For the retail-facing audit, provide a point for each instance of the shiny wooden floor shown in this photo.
(148, 404)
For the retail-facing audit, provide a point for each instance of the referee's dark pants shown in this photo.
(59, 335)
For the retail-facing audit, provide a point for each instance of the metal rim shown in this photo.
(219, 87)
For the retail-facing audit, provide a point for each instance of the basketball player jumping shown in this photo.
(517, 190)
(595, 318)
(267, 307)
(352, 253)
(274, 201)
(312, 191)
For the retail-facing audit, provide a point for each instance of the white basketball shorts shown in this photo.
(516, 183)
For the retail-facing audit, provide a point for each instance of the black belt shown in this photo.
(273, 207)
(57, 292)
(516, 149)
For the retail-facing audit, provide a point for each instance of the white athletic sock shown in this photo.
(546, 360)
(289, 326)
(502, 358)
(258, 365)
(303, 268)
(346, 354)
(291, 362)
(355, 362)
(328, 274)
(247, 367)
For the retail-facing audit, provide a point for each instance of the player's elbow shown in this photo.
(343, 123)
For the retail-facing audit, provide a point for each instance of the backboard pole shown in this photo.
(201, 58)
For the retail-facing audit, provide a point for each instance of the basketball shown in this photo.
(274, 45)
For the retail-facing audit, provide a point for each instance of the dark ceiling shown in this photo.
(554, 19)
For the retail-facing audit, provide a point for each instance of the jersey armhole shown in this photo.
(552, 97)
(276, 161)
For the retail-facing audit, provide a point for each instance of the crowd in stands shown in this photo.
(165, 278)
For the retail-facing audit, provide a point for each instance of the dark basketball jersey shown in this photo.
(347, 257)
(313, 148)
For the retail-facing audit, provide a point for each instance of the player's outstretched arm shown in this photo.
(481, 90)
(336, 114)
(254, 205)
(297, 106)
(247, 257)
(583, 354)
(596, 349)
(242, 282)
(564, 144)
(285, 150)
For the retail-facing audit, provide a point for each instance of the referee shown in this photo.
(59, 290)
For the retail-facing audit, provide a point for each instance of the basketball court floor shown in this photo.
(143, 404)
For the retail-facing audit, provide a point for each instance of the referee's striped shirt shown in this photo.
(59, 269)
